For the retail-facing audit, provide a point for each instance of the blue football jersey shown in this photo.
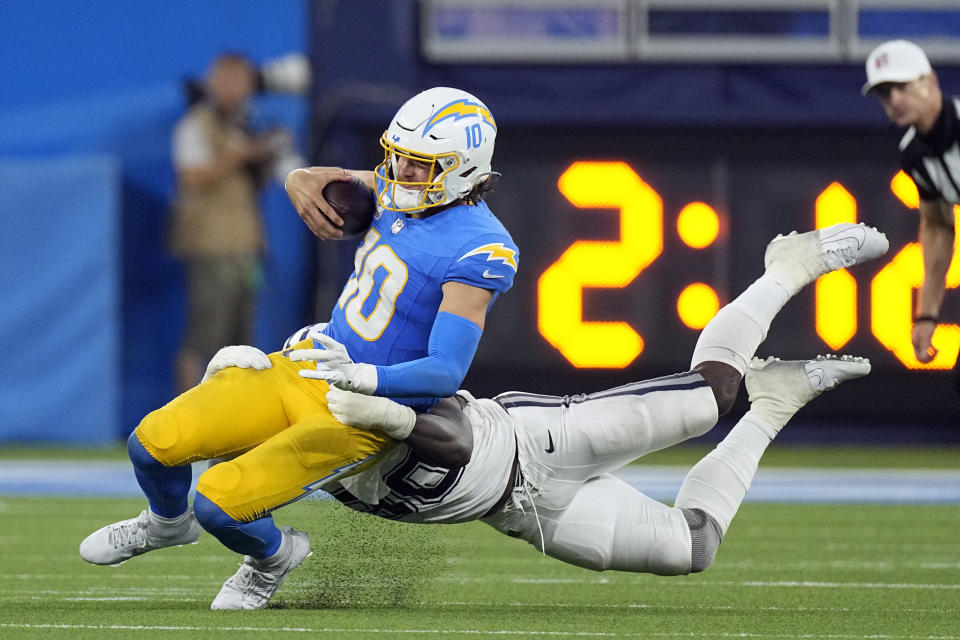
(387, 308)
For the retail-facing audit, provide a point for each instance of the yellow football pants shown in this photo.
(277, 420)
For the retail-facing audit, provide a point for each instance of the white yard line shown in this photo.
(750, 583)
(806, 584)
(641, 605)
(180, 595)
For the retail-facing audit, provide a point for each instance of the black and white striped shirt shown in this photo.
(932, 159)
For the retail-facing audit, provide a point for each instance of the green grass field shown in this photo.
(784, 571)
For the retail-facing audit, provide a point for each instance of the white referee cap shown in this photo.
(895, 61)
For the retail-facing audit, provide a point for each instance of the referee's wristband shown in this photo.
(932, 319)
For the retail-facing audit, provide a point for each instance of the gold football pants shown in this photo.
(279, 422)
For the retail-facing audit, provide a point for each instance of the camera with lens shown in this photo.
(288, 74)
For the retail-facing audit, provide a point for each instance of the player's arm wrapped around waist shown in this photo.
(441, 437)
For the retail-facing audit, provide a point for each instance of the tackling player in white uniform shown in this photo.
(538, 467)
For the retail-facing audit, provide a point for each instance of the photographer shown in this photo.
(217, 231)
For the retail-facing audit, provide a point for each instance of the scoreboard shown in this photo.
(613, 264)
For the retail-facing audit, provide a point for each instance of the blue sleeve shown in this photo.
(453, 342)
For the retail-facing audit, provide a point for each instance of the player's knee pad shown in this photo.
(234, 492)
(139, 456)
(221, 480)
(668, 558)
(705, 536)
(157, 433)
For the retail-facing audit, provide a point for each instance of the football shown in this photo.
(355, 202)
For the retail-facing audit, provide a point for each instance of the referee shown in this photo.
(899, 75)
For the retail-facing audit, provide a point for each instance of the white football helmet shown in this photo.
(452, 131)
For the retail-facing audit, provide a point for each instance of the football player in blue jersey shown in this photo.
(430, 266)
(434, 259)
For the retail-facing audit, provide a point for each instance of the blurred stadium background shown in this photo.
(692, 115)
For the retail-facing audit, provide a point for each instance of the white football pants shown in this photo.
(569, 506)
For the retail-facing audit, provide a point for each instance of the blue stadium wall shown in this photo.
(90, 95)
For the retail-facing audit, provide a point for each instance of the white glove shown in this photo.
(238, 355)
(335, 366)
(371, 412)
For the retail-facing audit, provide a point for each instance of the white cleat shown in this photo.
(798, 259)
(255, 582)
(116, 543)
(780, 388)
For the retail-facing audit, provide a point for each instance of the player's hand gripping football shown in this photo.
(305, 189)
(335, 366)
(238, 355)
(371, 413)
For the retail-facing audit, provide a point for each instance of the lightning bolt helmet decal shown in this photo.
(461, 108)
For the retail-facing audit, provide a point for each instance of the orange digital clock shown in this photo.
(614, 264)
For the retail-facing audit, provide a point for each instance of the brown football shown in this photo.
(355, 202)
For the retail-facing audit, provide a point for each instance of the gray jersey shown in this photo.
(401, 486)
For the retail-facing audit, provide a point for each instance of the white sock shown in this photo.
(280, 555)
(170, 522)
(733, 335)
(162, 527)
(718, 483)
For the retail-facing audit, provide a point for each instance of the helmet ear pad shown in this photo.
(458, 183)
(456, 179)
